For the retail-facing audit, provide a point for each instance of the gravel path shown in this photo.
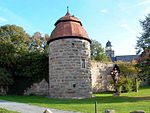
(25, 108)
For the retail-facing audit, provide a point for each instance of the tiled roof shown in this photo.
(125, 58)
(68, 26)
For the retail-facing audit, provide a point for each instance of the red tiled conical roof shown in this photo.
(68, 27)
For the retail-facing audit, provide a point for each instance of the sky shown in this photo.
(113, 20)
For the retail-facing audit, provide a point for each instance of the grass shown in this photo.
(124, 104)
(2, 110)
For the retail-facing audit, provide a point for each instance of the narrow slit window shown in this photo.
(74, 85)
(83, 63)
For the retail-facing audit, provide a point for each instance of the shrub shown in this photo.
(128, 77)
(5, 77)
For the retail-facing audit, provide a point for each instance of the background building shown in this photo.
(108, 50)
(124, 58)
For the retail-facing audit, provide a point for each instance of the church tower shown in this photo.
(69, 59)
(108, 50)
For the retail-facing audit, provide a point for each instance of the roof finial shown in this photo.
(68, 14)
(67, 8)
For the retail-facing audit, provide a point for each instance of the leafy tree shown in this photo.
(38, 42)
(5, 80)
(20, 63)
(15, 35)
(7, 57)
(97, 52)
(143, 44)
(128, 69)
(5, 77)
(32, 67)
(35, 66)
(144, 73)
(13, 42)
(127, 77)
(143, 41)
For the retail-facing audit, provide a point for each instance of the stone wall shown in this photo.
(101, 76)
(40, 88)
(3, 90)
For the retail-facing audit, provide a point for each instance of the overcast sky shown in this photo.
(113, 20)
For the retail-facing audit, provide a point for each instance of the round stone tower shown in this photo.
(69, 59)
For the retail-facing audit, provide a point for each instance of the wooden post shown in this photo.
(96, 109)
(136, 84)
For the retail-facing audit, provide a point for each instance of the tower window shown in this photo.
(74, 85)
(72, 44)
(84, 44)
(83, 63)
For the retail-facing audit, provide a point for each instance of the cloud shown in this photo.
(3, 19)
(104, 11)
(128, 28)
(144, 2)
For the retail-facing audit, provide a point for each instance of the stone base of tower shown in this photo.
(71, 95)
(70, 92)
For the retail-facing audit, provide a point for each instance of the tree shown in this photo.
(15, 35)
(5, 77)
(143, 41)
(144, 73)
(23, 59)
(13, 43)
(38, 42)
(32, 67)
(7, 55)
(143, 45)
(97, 52)
(127, 77)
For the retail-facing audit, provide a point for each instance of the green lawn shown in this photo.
(124, 104)
(6, 111)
